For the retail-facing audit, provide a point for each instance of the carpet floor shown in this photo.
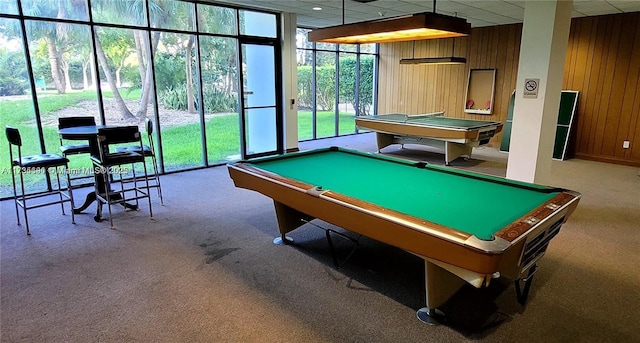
(204, 269)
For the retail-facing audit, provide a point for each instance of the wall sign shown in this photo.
(531, 88)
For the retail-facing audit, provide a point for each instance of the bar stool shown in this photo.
(31, 164)
(73, 148)
(147, 151)
(111, 164)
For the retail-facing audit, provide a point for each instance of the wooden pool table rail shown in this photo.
(295, 201)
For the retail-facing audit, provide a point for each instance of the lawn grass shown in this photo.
(182, 145)
(325, 124)
(21, 115)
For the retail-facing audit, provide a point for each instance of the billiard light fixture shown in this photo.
(427, 25)
(435, 60)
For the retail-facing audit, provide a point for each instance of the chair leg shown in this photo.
(73, 217)
(157, 178)
(21, 200)
(107, 191)
(15, 194)
(135, 184)
(60, 192)
(146, 180)
(69, 178)
(24, 205)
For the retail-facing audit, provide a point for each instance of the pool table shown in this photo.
(468, 227)
(456, 136)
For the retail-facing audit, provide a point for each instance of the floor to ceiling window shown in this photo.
(174, 62)
(220, 82)
(335, 84)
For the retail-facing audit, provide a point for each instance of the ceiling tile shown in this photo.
(478, 12)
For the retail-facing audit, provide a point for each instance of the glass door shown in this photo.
(261, 108)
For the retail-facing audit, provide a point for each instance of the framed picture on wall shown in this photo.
(480, 89)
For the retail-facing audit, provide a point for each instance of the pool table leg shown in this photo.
(454, 150)
(289, 219)
(523, 294)
(384, 140)
(440, 285)
(282, 240)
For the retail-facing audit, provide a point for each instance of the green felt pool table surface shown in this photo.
(473, 203)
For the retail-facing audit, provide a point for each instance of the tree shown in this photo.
(133, 11)
(13, 73)
(102, 59)
(117, 47)
(220, 56)
(59, 37)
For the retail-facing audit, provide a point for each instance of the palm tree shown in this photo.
(170, 14)
(132, 12)
(102, 60)
(58, 36)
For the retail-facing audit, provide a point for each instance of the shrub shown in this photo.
(325, 85)
(13, 73)
(348, 78)
(12, 86)
(216, 101)
(175, 98)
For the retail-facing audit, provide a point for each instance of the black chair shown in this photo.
(147, 151)
(40, 163)
(68, 148)
(74, 149)
(115, 167)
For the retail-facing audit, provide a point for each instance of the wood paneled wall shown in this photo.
(602, 63)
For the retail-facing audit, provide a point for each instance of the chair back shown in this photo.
(13, 136)
(65, 122)
(149, 127)
(118, 134)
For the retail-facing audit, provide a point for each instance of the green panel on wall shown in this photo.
(567, 102)
(506, 130)
(506, 137)
(561, 138)
(512, 104)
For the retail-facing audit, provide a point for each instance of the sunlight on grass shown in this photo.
(182, 146)
(325, 124)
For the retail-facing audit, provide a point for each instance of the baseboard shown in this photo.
(608, 160)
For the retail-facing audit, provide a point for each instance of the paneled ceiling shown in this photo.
(478, 12)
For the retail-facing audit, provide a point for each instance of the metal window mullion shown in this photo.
(34, 95)
(243, 145)
(314, 102)
(336, 91)
(374, 92)
(154, 94)
(96, 64)
(203, 126)
(357, 90)
(277, 68)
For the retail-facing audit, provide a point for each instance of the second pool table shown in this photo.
(455, 136)
(468, 227)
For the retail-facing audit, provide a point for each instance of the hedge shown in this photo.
(325, 85)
